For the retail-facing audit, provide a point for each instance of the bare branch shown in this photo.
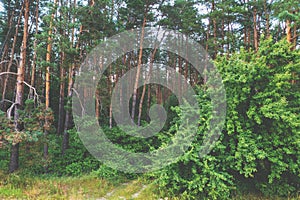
(4, 61)
(34, 90)
(12, 73)
(77, 94)
(27, 84)
(6, 100)
(8, 112)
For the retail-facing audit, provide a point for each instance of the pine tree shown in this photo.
(14, 156)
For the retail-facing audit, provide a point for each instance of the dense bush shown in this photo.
(76, 161)
(260, 143)
(30, 136)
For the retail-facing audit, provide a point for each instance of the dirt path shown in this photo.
(124, 186)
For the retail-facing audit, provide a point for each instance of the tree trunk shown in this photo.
(97, 94)
(47, 86)
(61, 110)
(179, 86)
(138, 68)
(5, 44)
(144, 86)
(267, 19)
(295, 37)
(14, 158)
(255, 36)
(12, 54)
(159, 89)
(109, 85)
(206, 55)
(215, 31)
(186, 67)
(245, 36)
(14, 155)
(61, 95)
(223, 34)
(32, 82)
(65, 144)
(228, 41)
(288, 31)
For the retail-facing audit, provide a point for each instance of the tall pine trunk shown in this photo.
(14, 154)
(144, 86)
(10, 63)
(65, 143)
(288, 31)
(134, 98)
(267, 18)
(214, 31)
(33, 67)
(61, 95)
(110, 88)
(71, 78)
(47, 85)
(255, 34)
(295, 36)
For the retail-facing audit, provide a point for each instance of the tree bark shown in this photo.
(288, 31)
(295, 37)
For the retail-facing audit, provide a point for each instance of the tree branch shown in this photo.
(6, 100)
(34, 90)
(8, 112)
(12, 73)
(27, 84)
(4, 61)
(77, 94)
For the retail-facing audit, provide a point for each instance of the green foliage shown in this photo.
(262, 128)
(193, 177)
(32, 126)
(260, 144)
(76, 161)
(32, 121)
(106, 172)
(112, 175)
(260, 141)
(133, 144)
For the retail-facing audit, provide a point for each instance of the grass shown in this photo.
(86, 187)
(16, 186)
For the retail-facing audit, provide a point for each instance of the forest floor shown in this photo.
(85, 187)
